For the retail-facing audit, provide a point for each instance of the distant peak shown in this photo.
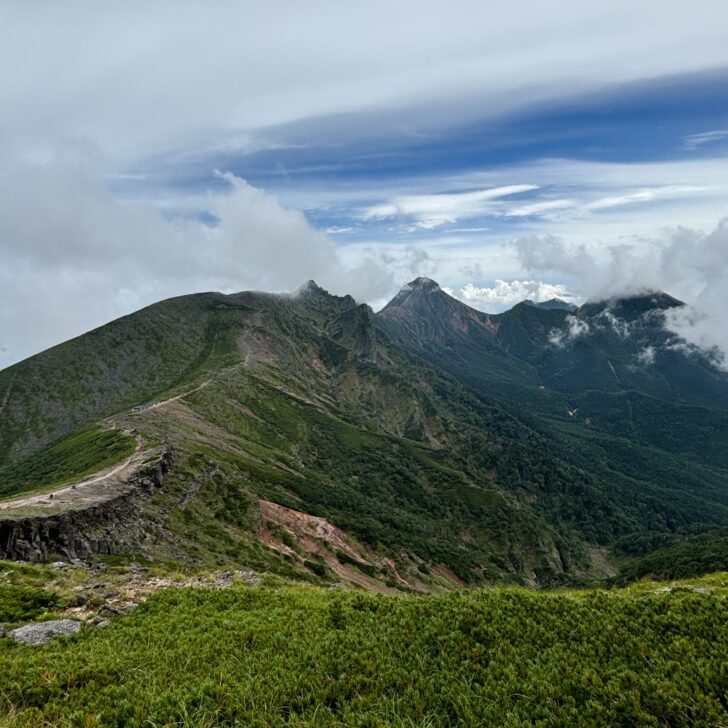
(422, 283)
(553, 304)
(310, 286)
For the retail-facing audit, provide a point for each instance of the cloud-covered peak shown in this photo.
(422, 283)
(691, 263)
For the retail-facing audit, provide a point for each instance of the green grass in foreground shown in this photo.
(305, 656)
(19, 602)
(71, 458)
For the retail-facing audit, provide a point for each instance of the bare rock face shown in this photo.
(79, 534)
(40, 632)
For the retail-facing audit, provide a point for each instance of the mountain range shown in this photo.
(423, 447)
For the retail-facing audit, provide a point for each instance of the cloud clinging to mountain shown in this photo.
(689, 264)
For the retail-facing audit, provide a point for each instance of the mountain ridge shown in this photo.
(439, 436)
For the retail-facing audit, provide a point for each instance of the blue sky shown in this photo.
(149, 151)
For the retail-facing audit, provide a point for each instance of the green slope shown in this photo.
(132, 360)
(650, 655)
(653, 434)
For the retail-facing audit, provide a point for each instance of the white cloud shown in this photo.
(508, 293)
(689, 264)
(620, 327)
(646, 195)
(574, 329)
(431, 211)
(137, 77)
(538, 208)
(72, 257)
(646, 357)
(339, 229)
(693, 141)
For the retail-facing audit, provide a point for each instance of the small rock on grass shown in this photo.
(250, 577)
(40, 632)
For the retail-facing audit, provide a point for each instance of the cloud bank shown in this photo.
(689, 264)
(138, 77)
(509, 293)
(72, 257)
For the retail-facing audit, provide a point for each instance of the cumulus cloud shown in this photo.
(689, 264)
(508, 293)
(73, 257)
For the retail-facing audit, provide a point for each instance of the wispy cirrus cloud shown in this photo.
(694, 141)
(431, 211)
(652, 194)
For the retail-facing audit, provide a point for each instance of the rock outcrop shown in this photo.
(80, 533)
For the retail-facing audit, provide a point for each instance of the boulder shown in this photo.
(40, 632)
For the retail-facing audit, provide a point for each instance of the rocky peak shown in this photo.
(422, 284)
(414, 292)
(310, 287)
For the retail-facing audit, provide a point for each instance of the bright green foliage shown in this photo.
(71, 458)
(19, 602)
(302, 656)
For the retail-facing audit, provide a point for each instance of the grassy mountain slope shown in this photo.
(127, 362)
(646, 655)
(325, 416)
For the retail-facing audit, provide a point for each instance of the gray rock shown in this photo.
(41, 632)
(250, 577)
(58, 565)
(103, 623)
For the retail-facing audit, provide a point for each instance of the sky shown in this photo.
(509, 151)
